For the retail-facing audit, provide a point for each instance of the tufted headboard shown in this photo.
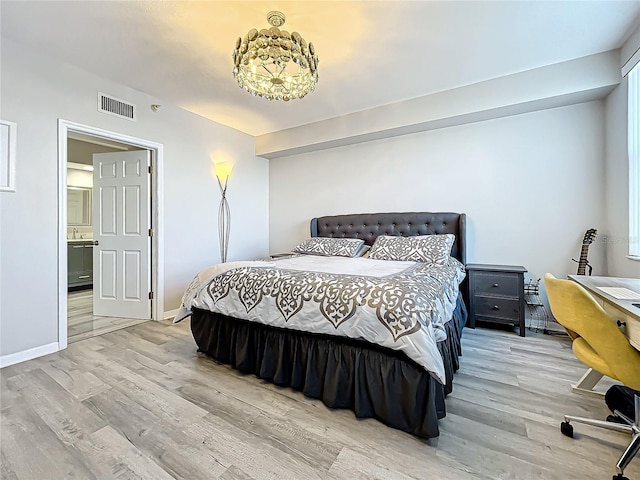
(368, 226)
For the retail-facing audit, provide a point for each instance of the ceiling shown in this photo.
(372, 53)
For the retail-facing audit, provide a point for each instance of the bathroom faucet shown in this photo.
(73, 233)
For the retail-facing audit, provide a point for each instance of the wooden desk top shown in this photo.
(623, 311)
(591, 284)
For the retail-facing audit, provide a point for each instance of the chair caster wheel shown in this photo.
(567, 429)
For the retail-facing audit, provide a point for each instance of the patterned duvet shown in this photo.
(398, 305)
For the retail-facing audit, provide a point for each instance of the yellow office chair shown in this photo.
(599, 344)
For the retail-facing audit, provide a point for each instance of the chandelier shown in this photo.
(274, 63)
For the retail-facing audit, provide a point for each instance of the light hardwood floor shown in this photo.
(141, 403)
(82, 323)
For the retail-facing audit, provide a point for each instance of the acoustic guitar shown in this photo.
(583, 263)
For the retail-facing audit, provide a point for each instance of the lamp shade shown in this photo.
(223, 171)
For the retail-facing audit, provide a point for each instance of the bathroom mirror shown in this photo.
(78, 206)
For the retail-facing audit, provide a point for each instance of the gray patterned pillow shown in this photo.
(338, 247)
(423, 248)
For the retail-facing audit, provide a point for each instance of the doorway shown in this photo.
(78, 245)
(84, 318)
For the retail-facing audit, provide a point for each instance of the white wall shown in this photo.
(530, 184)
(79, 178)
(617, 187)
(36, 91)
(561, 84)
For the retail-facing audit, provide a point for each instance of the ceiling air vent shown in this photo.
(116, 106)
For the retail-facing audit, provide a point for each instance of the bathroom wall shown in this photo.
(79, 158)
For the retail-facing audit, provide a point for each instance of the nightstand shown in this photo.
(496, 294)
(274, 256)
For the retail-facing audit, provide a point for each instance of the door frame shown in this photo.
(157, 210)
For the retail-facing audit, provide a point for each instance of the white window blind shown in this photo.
(634, 160)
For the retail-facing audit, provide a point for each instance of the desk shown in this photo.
(621, 310)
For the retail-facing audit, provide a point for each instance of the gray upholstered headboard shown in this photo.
(368, 226)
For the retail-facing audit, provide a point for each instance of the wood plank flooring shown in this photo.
(141, 403)
(82, 323)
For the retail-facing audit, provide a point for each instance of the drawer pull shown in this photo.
(496, 307)
(84, 276)
(621, 324)
(496, 285)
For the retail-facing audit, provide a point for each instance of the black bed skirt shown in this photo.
(369, 380)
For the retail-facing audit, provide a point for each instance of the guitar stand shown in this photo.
(587, 264)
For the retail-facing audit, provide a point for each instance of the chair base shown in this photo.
(630, 426)
(587, 382)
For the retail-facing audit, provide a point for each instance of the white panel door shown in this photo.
(121, 220)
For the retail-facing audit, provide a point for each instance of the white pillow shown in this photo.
(422, 248)
(338, 247)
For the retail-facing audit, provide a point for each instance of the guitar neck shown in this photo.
(582, 264)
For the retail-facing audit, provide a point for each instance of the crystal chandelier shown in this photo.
(274, 63)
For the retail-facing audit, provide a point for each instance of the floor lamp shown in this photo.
(223, 171)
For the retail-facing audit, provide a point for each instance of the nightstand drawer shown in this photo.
(497, 308)
(80, 278)
(502, 284)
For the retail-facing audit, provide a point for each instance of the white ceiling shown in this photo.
(371, 53)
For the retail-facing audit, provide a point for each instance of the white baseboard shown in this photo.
(170, 314)
(23, 356)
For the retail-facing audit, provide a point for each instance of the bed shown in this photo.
(373, 380)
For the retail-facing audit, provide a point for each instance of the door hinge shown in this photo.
(151, 232)
(151, 169)
(150, 295)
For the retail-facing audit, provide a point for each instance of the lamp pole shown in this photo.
(224, 220)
